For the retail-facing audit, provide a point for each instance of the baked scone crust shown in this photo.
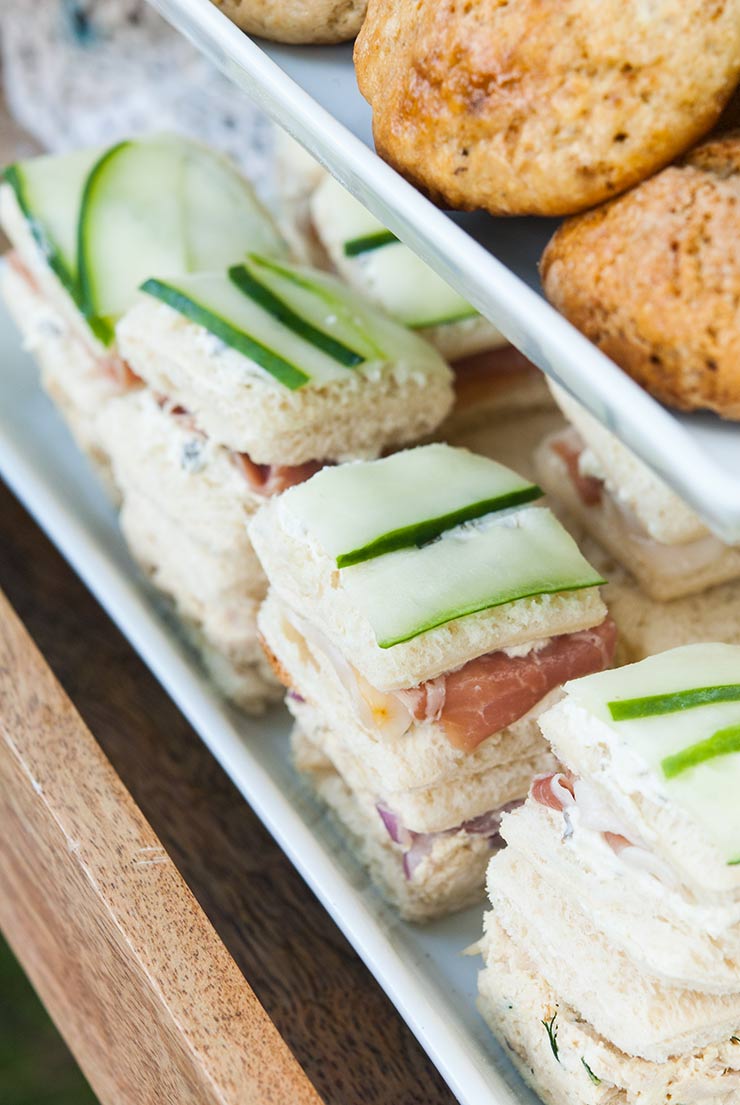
(653, 278)
(299, 21)
(533, 107)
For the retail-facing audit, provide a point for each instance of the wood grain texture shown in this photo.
(116, 944)
(337, 1021)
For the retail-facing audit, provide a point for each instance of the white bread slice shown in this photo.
(660, 929)
(647, 626)
(624, 1003)
(389, 759)
(461, 797)
(451, 875)
(372, 407)
(213, 600)
(58, 299)
(663, 515)
(70, 371)
(191, 480)
(517, 1002)
(663, 571)
(592, 750)
(305, 578)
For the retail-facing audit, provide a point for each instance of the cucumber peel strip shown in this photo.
(514, 594)
(286, 373)
(102, 328)
(722, 743)
(421, 533)
(366, 243)
(315, 288)
(14, 178)
(629, 709)
(244, 280)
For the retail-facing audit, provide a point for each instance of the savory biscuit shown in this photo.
(653, 278)
(536, 107)
(299, 21)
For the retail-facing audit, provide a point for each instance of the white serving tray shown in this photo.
(311, 91)
(421, 969)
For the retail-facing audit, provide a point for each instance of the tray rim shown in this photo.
(523, 316)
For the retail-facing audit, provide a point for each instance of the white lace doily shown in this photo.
(88, 72)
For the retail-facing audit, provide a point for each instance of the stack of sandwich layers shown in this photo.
(234, 380)
(612, 952)
(422, 613)
(326, 224)
(671, 581)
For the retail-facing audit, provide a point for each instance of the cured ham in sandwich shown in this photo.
(612, 954)
(671, 581)
(422, 612)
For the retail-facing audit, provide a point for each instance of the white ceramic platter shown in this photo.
(311, 91)
(422, 969)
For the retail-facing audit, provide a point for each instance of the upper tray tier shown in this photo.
(312, 93)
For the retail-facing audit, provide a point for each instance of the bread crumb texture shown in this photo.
(653, 278)
(297, 20)
(533, 107)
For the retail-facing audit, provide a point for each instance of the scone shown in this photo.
(543, 108)
(653, 279)
(296, 20)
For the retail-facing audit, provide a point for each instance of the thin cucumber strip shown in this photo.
(49, 191)
(286, 373)
(368, 242)
(468, 570)
(325, 301)
(422, 532)
(722, 743)
(627, 709)
(284, 313)
(361, 511)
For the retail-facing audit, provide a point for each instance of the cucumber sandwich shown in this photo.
(491, 377)
(88, 227)
(616, 904)
(423, 608)
(674, 581)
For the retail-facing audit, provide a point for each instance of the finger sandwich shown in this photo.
(491, 377)
(422, 611)
(671, 580)
(612, 964)
(256, 377)
(87, 227)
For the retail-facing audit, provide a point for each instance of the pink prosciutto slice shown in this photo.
(271, 479)
(495, 690)
(589, 488)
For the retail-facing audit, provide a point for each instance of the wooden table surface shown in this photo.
(338, 1023)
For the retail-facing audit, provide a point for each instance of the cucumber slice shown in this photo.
(625, 709)
(250, 285)
(49, 192)
(131, 225)
(707, 787)
(472, 568)
(722, 743)
(225, 220)
(360, 511)
(368, 242)
(373, 259)
(324, 302)
(162, 206)
(213, 301)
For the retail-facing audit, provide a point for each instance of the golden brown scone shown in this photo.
(543, 106)
(653, 278)
(300, 21)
